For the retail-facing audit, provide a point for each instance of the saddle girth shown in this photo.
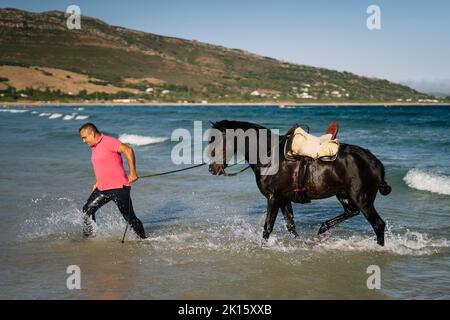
(300, 175)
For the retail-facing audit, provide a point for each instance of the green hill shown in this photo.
(175, 69)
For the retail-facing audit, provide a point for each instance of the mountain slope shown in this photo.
(187, 69)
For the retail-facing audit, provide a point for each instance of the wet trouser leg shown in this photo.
(96, 200)
(122, 198)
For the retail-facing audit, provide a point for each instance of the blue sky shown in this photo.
(413, 43)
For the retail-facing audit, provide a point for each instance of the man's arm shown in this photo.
(128, 152)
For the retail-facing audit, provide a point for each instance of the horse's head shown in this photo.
(217, 150)
(228, 138)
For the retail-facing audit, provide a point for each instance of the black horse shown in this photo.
(354, 177)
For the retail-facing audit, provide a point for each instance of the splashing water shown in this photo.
(237, 235)
(64, 220)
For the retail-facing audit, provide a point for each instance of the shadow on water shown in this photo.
(173, 210)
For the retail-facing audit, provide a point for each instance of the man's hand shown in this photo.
(94, 186)
(132, 178)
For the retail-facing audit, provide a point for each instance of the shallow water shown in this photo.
(205, 231)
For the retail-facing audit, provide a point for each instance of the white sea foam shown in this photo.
(55, 116)
(63, 219)
(81, 117)
(237, 235)
(34, 112)
(69, 116)
(44, 114)
(408, 243)
(428, 181)
(137, 140)
(13, 110)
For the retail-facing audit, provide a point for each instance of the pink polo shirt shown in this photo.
(108, 165)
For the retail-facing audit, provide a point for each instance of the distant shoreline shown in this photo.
(220, 104)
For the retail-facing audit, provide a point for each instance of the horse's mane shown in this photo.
(227, 124)
(244, 125)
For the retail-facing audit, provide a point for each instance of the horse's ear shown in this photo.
(217, 125)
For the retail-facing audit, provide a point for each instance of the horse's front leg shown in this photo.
(272, 212)
(288, 214)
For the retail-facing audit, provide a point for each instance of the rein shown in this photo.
(234, 173)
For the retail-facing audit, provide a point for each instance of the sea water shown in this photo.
(205, 231)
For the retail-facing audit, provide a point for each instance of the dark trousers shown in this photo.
(122, 199)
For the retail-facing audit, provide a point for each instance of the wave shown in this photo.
(55, 116)
(81, 117)
(137, 140)
(13, 110)
(72, 116)
(428, 181)
(69, 116)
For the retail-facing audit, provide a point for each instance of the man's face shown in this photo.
(88, 136)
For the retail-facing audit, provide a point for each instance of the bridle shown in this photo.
(221, 170)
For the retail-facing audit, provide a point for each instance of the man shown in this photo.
(112, 182)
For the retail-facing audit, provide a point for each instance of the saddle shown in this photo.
(302, 144)
(302, 147)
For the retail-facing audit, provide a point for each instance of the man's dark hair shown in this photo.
(89, 126)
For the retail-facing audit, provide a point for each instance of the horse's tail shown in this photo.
(384, 188)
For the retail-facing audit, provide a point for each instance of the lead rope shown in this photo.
(193, 167)
(173, 171)
(168, 172)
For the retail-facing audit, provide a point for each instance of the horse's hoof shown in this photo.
(264, 242)
(323, 229)
(89, 235)
(380, 242)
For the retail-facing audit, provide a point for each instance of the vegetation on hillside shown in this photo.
(184, 70)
